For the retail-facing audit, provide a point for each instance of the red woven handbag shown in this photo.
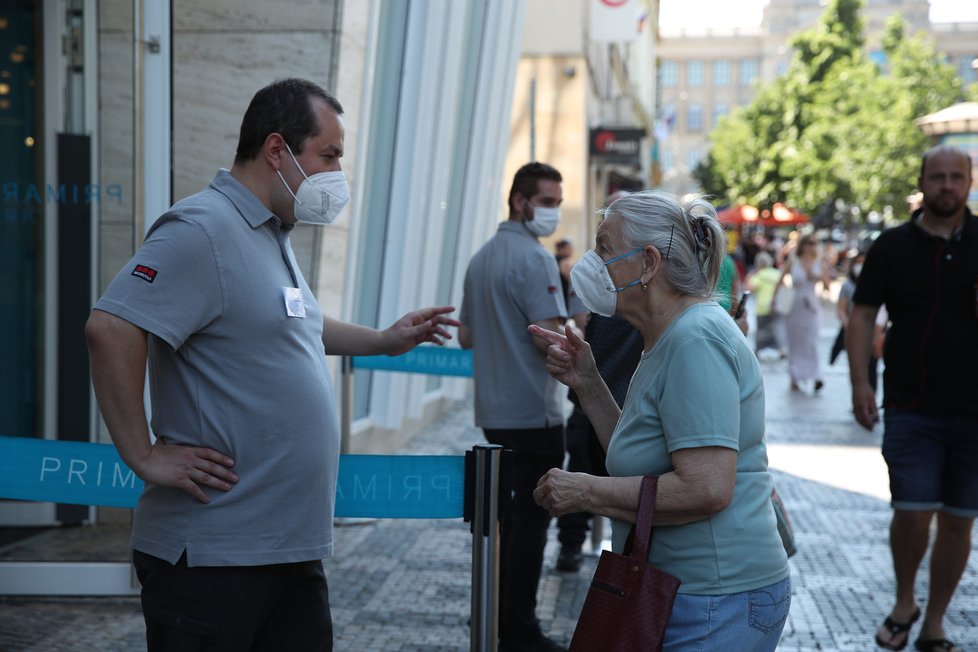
(629, 602)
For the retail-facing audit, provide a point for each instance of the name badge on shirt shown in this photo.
(295, 306)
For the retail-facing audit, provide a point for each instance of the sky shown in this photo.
(702, 14)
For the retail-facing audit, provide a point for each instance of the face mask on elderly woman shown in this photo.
(593, 283)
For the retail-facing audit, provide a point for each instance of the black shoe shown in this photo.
(819, 385)
(570, 559)
(535, 643)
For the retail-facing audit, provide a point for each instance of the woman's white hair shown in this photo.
(686, 232)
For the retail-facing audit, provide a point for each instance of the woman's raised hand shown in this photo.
(569, 357)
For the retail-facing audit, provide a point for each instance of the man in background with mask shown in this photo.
(236, 515)
(512, 282)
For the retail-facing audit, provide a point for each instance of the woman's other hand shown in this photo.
(561, 492)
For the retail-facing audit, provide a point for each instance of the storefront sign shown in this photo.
(617, 145)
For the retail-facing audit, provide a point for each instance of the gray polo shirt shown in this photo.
(231, 370)
(511, 282)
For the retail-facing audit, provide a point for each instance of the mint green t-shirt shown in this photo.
(701, 385)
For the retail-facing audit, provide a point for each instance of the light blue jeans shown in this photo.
(751, 621)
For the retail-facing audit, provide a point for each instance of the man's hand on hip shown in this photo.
(187, 468)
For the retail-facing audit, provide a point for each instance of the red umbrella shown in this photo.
(738, 215)
(781, 215)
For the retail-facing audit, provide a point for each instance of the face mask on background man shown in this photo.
(544, 222)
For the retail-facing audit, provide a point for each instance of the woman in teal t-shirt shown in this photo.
(694, 416)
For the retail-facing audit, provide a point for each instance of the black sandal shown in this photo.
(935, 644)
(895, 629)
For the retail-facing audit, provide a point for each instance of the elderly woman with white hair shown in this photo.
(693, 416)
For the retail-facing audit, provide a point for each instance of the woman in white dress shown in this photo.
(802, 322)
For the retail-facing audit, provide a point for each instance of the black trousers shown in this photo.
(234, 608)
(585, 455)
(523, 535)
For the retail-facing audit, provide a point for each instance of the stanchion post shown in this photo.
(597, 533)
(346, 404)
(485, 548)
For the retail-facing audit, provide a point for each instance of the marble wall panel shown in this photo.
(115, 15)
(115, 137)
(115, 242)
(254, 15)
(215, 75)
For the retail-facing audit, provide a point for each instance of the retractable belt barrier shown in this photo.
(377, 486)
(432, 360)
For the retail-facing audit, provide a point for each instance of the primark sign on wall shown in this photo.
(21, 202)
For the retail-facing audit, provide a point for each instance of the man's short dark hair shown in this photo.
(283, 107)
(527, 178)
(943, 149)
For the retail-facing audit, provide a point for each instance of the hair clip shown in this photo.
(702, 232)
(669, 246)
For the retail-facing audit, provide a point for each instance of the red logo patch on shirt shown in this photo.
(145, 273)
(552, 289)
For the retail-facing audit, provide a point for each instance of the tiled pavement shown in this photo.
(400, 585)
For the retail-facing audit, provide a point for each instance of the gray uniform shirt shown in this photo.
(511, 282)
(231, 370)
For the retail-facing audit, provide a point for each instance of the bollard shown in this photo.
(484, 632)
(597, 534)
(346, 404)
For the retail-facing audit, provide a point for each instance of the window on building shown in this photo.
(695, 73)
(721, 73)
(720, 109)
(693, 157)
(748, 72)
(669, 74)
(966, 72)
(694, 117)
(667, 158)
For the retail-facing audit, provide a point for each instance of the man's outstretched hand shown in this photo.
(414, 328)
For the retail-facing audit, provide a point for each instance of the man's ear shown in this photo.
(517, 203)
(273, 150)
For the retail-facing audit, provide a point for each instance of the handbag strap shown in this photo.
(641, 535)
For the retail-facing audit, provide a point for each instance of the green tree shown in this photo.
(835, 126)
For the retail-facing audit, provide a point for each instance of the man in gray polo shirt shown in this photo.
(236, 516)
(512, 282)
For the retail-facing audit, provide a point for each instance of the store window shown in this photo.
(21, 224)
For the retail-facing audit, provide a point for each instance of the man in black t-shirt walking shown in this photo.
(926, 272)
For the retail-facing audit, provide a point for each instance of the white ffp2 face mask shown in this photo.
(321, 197)
(593, 283)
(544, 222)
